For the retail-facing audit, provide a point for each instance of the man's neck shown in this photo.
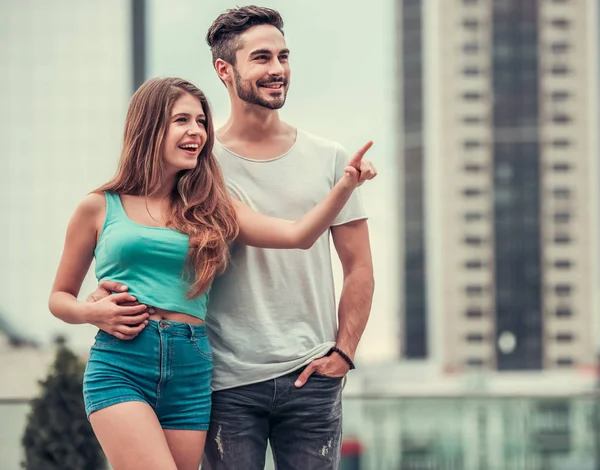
(256, 132)
(252, 124)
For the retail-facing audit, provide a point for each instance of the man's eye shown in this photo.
(262, 57)
(283, 58)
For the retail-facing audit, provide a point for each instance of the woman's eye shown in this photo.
(201, 122)
(181, 119)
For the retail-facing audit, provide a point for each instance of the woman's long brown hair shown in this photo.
(200, 205)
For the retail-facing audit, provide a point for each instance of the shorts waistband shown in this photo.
(175, 328)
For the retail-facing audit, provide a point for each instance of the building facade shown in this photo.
(499, 164)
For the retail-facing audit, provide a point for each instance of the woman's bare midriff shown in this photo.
(168, 315)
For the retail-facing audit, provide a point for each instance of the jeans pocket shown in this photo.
(104, 340)
(202, 346)
(330, 377)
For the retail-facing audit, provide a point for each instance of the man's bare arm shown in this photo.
(351, 242)
(104, 290)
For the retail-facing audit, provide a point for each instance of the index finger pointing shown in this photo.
(358, 156)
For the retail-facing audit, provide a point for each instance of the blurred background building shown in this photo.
(499, 164)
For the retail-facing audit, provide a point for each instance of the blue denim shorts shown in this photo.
(168, 365)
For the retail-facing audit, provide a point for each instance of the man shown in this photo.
(279, 354)
(272, 320)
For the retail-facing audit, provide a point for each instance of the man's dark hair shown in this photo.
(223, 36)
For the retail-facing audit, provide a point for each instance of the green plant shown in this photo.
(58, 435)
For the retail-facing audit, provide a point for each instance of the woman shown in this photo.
(162, 226)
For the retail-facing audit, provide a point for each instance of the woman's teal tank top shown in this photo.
(149, 260)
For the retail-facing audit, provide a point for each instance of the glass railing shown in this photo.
(410, 433)
(473, 433)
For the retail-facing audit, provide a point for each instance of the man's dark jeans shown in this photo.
(303, 425)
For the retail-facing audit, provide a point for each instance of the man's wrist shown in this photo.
(343, 355)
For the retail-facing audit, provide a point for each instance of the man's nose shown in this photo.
(276, 68)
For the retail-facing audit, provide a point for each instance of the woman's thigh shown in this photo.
(186, 447)
(132, 437)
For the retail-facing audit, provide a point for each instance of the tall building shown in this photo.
(499, 161)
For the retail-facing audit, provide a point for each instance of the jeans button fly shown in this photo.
(163, 324)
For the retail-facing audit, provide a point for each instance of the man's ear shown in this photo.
(224, 70)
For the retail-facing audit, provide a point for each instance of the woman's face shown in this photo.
(186, 134)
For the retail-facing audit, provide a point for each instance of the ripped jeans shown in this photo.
(303, 425)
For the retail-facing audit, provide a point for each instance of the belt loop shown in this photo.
(192, 337)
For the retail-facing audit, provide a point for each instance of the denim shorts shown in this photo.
(168, 365)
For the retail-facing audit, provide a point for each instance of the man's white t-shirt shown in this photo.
(274, 311)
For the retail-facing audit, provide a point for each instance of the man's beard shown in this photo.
(246, 92)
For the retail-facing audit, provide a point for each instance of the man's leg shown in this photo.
(239, 428)
(306, 425)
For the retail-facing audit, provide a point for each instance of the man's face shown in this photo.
(262, 71)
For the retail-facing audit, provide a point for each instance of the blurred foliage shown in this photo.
(58, 435)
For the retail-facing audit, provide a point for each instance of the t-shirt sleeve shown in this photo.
(354, 208)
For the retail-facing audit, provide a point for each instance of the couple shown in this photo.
(165, 226)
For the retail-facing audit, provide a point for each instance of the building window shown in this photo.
(562, 217)
(474, 168)
(559, 47)
(473, 217)
(563, 264)
(475, 338)
(474, 290)
(563, 290)
(561, 167)
(473, 119)
(560, 23)
(561, 193)
(472, 96)
(560, 96)
(472, 144)
(474, 264)
(560, 143)
(563, 311)
(471, 23)
(473, 192)
(564, 362)
(474, 241)
(472, 71)
(474, 312)
(559, 70)
(475, 361)
(561, 118)
(563, 337)
(470, 48)
(562, 239)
